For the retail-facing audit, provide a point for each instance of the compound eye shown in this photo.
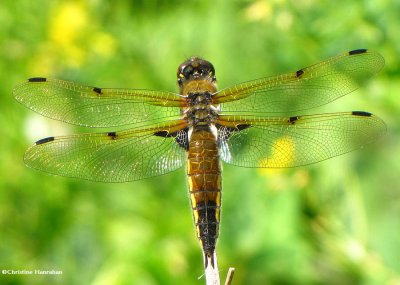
(187, 71)
(212, 70)
(204, 70)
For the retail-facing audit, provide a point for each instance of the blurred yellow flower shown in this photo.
(72, 35)
(68, 22)
(67, 28)
(258, 11)
(103, 44)
(282, 154)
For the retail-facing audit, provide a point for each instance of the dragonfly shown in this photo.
(259, 123)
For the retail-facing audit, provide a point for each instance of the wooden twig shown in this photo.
(229, 276)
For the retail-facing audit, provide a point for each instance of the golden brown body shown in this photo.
(197, 83)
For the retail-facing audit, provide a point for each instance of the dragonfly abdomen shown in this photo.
(204, 177)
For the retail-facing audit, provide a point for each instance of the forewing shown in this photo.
(295, 141)
(112, 157)
(304, 89)
(95, 107)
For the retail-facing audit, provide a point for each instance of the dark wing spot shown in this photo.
(292, 120)
(181, 137)
(361, 113)
(243, 126)
(112, 135)
(224, 132)
(357, 51)
(164, 134)
(299, 73)
(97, 90)
(37, 79)
(45, 140)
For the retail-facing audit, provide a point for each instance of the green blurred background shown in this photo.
(335, 222)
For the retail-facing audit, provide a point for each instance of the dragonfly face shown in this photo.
(195, 68)
(252, 124)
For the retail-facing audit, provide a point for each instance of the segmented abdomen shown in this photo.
(204, 176)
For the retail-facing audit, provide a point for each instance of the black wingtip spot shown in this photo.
(97, 90)
(299, 73)
(361, 113)
(292, 120)
(357, 51)
(45, 140)
(112, 135)
(37, 79)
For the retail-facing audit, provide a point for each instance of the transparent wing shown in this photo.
(294, 141)
(95, 107)
(112, 157)
(304, 89)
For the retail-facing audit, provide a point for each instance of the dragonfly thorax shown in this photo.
(200, 110)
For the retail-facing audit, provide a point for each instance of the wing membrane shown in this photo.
(295, 141)
(112, 157)
(95, 107)
(304, 89)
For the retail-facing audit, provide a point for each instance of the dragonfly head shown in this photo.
(195, 68)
